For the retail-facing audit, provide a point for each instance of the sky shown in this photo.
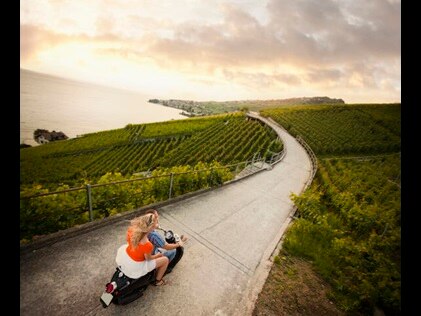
(220, 49)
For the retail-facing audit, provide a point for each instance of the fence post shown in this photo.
(89, 200)
(171, 182)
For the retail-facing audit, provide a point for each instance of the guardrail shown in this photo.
(74, 206)
(310, 152)
(313, 159)
(277, 157)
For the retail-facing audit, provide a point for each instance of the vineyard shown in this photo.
(343, 129)
(132, 167)
(349, 220)
(350, 228)
(138, 148)
(43, 212)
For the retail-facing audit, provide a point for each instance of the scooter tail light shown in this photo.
(110, 287)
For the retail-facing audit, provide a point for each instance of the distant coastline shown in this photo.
(199, 108)
(77, 108)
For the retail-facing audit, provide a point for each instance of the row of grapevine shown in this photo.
(349, 220)
(343, 129)
(136, 148)
(385, 115)
(235, 140)
(350, 226)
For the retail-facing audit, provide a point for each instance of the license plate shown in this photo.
(106, 299)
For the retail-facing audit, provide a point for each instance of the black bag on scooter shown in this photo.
(127, 289)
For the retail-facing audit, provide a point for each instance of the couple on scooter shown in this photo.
(141, 253)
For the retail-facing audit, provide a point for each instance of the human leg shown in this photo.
(170, 254)
(161, 266)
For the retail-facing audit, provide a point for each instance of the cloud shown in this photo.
(284, 44)
(260, 81)
(324, 77)
(337, 31)
(240, 41)
(299, 32)
(104, 25)
(35, 38)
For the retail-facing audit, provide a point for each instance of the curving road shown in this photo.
(233, 232)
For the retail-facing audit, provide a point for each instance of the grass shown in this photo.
(294, 288)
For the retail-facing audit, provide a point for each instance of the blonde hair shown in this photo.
(139, 226)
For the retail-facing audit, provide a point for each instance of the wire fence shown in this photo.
(313, 159)
(49, 212)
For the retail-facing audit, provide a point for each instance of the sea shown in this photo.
(76, 108)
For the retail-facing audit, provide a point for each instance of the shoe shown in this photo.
(160, 282)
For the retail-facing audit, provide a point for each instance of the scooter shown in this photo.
(122, 290)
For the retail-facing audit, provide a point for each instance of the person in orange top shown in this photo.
(135, 258)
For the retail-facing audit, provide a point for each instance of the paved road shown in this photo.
(233, 231)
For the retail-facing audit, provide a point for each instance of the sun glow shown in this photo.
(230, 50)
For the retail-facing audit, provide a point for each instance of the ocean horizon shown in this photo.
(76, 108)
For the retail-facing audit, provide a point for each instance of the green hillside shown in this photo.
(115, 162)
(343, 129)
(225, 138)
(349, 220)
(198, 108)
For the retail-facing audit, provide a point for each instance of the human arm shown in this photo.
(180, 243)
(168, 246)
(148, 253)
(149, 256)
(158, 241)
(147, 250)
